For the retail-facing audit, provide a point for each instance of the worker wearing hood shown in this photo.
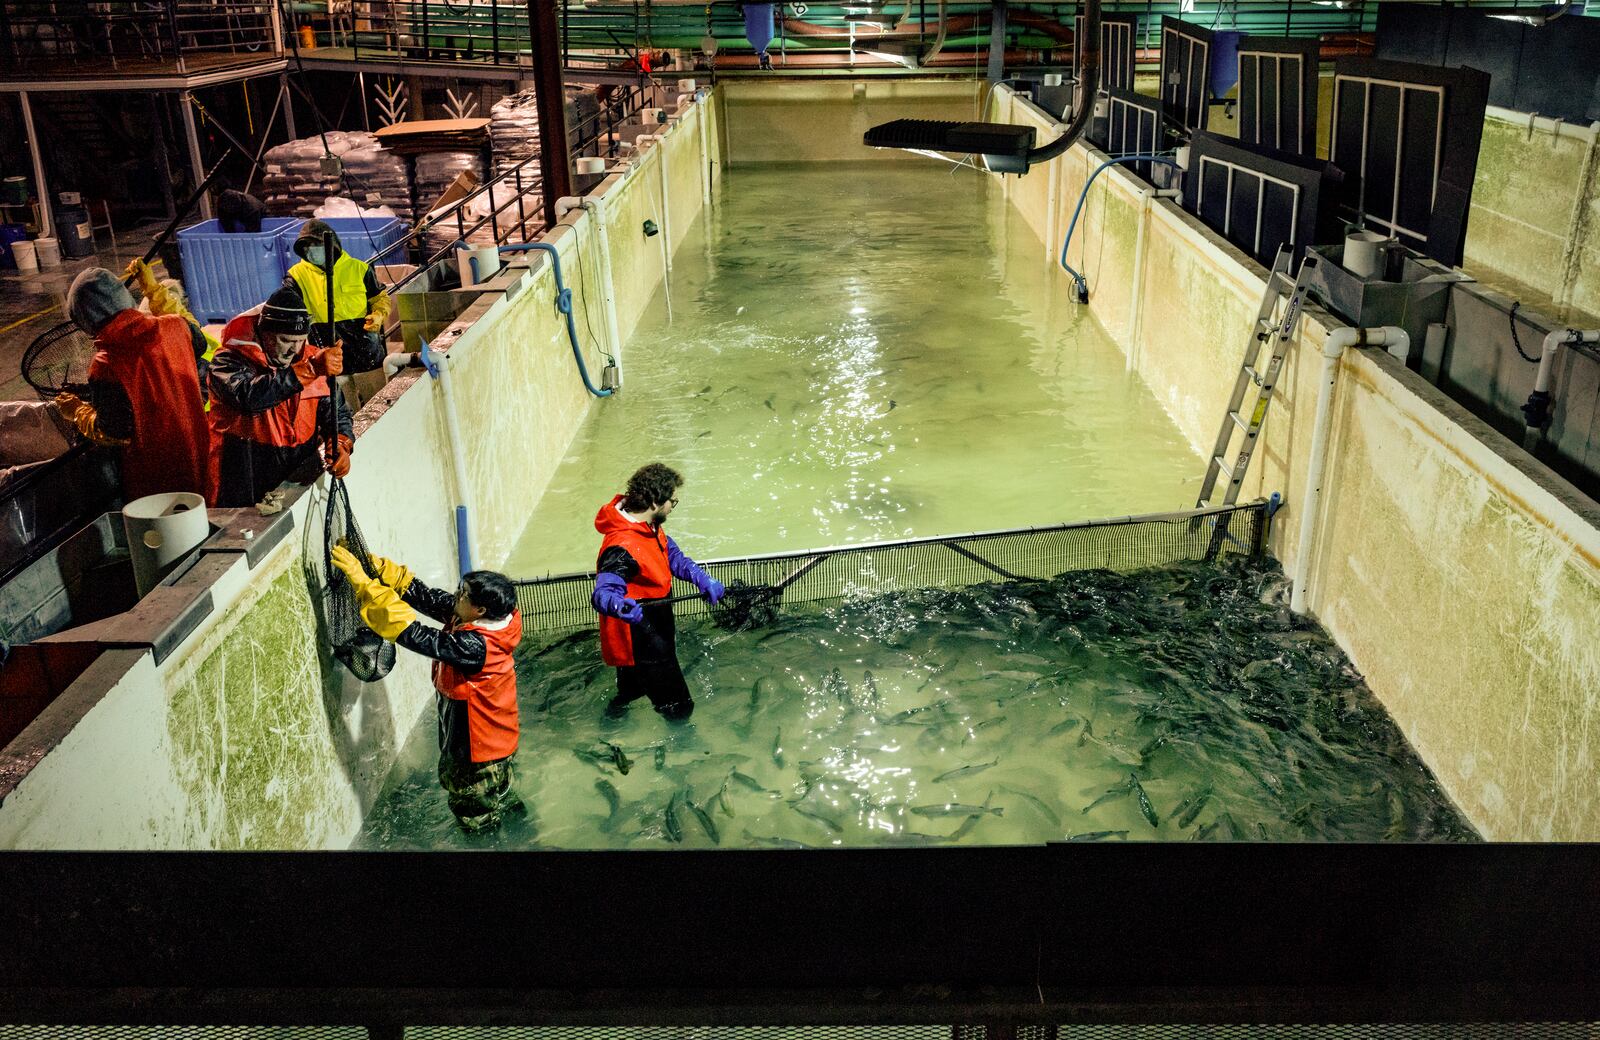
(360, 305)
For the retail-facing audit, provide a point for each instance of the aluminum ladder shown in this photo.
(1274, 329)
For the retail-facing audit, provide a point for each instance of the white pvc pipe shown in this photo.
(452, 425)
(46, 221)
(705, 156)
(1537, 409)
(1050, 221)
(596, 205)
(1333, 349)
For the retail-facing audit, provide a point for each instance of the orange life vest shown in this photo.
(490, 692)
(647, 545)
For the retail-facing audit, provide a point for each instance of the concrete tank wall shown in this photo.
(1462, 577)
(245, 734)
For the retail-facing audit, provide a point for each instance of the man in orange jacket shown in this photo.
(636, 566)
(474, 674)
(145, 388)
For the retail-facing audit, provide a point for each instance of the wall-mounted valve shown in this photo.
(650, 229)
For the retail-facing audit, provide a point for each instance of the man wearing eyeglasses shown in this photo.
(474, 674)
(635, 570)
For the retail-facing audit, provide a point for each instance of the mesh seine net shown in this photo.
(366, 654)
(762, 587)
(58, 359)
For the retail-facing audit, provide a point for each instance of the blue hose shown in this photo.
(563, 304)
(1083, 286)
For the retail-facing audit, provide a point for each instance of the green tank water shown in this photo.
(861, 353)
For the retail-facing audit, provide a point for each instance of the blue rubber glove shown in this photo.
(713, 590)
(686, 569)
(610, 597)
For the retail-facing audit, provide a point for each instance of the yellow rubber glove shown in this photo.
(382, 609)
(82, 416)
(385, 612)
(377, 312)
(395, 575)
(160, 298)
(344, 560)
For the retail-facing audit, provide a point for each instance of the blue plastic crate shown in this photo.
(228, 274)
(362, 238)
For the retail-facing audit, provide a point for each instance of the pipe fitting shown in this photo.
(1538, 408)
(566, 204)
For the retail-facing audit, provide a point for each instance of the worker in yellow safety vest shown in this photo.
(360, 306)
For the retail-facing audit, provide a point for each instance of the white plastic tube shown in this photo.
(452, 426)
(1537, 409)
(705, 155)
(1333, 349)
(1136, 312)
(596, 205)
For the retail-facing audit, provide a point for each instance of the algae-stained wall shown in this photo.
(1535, 217)
(818, 120)
(1462, 578)
(247, 736)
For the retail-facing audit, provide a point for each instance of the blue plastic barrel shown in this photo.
(10, 233)
(227, 274)
(1224, 70)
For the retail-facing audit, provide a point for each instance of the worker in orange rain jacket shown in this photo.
(636, 566)
(474, 674)
(270, 400)
(145, 385)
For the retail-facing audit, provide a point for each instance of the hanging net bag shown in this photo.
(367, 655)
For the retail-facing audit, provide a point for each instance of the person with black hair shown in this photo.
(636, 566)
(474, 674)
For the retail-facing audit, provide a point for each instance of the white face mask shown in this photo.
(286, 348)
(315, 255)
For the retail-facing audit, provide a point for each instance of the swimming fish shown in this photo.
(777, 749)
(707, 824)
(705, 434)
(965, 771)
(1145, 807)
(832, 825)
(1044, 810)
(956, 809)
(892, 403)
(1205, 831)
(1097, 835)
(674, 827)
(618, 759)
(971, 821)
(775, 843)
(1088, 731)
(768, 403)
(1190, 807)
(661, 757)
(747, 781)
(1111, 794)
(608, 791)
(704, 390)
(873, 697)
(1061, 727)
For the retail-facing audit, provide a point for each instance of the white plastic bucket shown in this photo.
(23, 253)
(161, 530)
(48, 252)
(1361, 252)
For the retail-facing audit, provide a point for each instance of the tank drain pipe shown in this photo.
(705, 150)
(1135, 312)
(666, 225)
(596, 207)
(1537, 409)
(1081, 290)
(1333, 348)
(438, 366)
(563, 304)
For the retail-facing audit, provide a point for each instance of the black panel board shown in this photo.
(1185, 60)
(1117, 36)
(1457, 136)
(1206, 194)
(1135, 125)
(1288, 113)
(1550, 69)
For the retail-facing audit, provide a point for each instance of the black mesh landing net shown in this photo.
(368, 655)
(57, 360)
(760, 588)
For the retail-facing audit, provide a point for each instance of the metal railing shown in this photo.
(108, 36)
(516, 192)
